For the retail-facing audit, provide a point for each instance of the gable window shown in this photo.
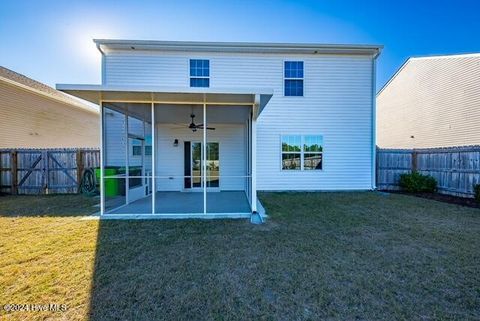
(302, 152)
(199, 73)
(293, 74)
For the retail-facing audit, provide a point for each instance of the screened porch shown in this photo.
(202, 164)
(177, 152)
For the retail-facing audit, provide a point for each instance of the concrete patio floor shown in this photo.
(188, 203)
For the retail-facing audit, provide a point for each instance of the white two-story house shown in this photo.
(195, 129)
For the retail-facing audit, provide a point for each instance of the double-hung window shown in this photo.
(199, 73)
(312, 152)
(293, 74)
(302, 152)
(291, 152)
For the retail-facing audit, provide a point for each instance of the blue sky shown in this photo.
(51, 40)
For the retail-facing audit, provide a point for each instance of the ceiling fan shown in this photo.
(194, 127)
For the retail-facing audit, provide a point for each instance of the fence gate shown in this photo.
(30, 172)
(44, 171)
(61, 172)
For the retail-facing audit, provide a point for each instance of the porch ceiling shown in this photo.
(185, 95)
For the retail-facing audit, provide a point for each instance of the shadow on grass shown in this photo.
(56, 205)
(173, 270)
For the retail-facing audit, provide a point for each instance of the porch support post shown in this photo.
(254, 153)
(102, 179)
(153, 157)
(204, 157)
(127, 161)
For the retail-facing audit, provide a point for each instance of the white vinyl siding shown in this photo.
(337, 102)
(434, 99)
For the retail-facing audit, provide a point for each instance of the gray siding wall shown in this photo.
(116, 142)
(434, 99)
(337, 104)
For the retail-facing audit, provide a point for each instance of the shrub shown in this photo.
(418, 183)
(476, 189)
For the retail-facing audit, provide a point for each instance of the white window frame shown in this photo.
(302, 153)
(190, 77)
(288, 78)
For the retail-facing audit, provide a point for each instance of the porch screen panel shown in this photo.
(139, 159)
(226, 177)
(114, 157)
(178, 159)
(127, 158)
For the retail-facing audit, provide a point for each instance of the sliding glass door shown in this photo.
(213, 165)
(212, 176)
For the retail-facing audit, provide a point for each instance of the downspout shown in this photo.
(374, 121)
(102, 145)
(255, 217)
(103, 76)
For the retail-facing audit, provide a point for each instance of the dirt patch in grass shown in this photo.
(463, 201)
(48, 205)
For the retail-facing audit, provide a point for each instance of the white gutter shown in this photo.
(164, 89)
(308, 48)
(103, 64)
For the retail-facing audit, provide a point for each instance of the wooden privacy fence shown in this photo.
(456, 169)
(44, 171)
(50, 171)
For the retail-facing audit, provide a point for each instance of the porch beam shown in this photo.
(176, 102)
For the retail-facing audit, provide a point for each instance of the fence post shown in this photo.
(14, 166)
(377, 160)
(80, 167)
(414, 160)
(46, 174)
(1, 173)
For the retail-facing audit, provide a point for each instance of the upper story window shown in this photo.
(293, 73)
(199, 73)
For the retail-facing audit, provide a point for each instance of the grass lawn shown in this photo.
(346, 256)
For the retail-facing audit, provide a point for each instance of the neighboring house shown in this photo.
(34, 115)
(280, 117)
(431, 102)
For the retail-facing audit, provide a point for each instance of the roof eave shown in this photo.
(293, 48)
(177, 95)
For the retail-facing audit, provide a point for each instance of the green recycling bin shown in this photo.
(111, 184)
